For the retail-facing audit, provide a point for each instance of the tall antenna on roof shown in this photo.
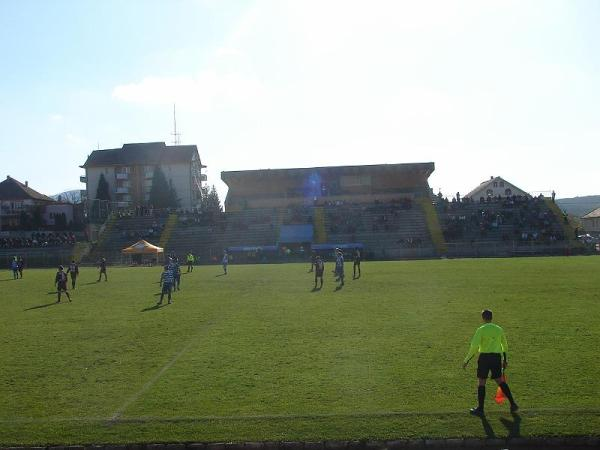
(175, 134)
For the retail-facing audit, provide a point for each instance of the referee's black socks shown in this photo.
(480, 396)
(506, 391)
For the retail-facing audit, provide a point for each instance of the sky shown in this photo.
(480, 88)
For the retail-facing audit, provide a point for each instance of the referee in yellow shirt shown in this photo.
(489, 340)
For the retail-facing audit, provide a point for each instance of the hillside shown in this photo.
(579, 206)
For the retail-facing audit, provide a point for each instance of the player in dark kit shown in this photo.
(313, 260)
(176, 274)
(102, 267)
(73, 270)
(60, 281)
(356, 256)
(339, 266)
(319, 269)
(489, 340)
(20, 266)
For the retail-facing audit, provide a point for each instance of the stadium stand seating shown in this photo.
(39, 248)
(387, 230)
(122, 232)
(208, 238)
(501, 227)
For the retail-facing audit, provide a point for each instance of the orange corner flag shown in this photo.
(500, 398)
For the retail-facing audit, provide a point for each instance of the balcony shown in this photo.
(122, 176)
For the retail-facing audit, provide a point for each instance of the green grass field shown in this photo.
(255, 355)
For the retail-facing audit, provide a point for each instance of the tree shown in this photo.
(102, 196)
(102, 193)
(209, 201)
(162, 193)
(213, 202)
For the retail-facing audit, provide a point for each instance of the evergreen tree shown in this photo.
(213, 202)
(162, 193)
(209, 201)
(102, 193)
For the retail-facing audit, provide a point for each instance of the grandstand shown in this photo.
(268, 211)
(504, 226)
(387, 210)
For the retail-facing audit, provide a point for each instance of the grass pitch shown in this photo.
(256, 355)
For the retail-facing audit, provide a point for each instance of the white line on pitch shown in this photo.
(316, 416)
(119, 412)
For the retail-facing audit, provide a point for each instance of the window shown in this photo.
(508, 192)
(495, 184)
(502, 184)
(489, 192)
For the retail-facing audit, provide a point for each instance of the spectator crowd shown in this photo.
(39, 240)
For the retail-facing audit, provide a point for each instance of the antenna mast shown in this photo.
(175, 134)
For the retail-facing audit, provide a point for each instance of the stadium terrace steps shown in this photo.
(239, 228)
(80, 250)
(319, 224)
(123, 232)
(567, 227)
(385, 232)
(433, 225)
(167, 230)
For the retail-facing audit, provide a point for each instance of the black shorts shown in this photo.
(357, 263)
(319, 274)
(62, 286)
(167, 288)
(489, 362)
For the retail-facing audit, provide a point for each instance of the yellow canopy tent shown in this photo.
(143, 247)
